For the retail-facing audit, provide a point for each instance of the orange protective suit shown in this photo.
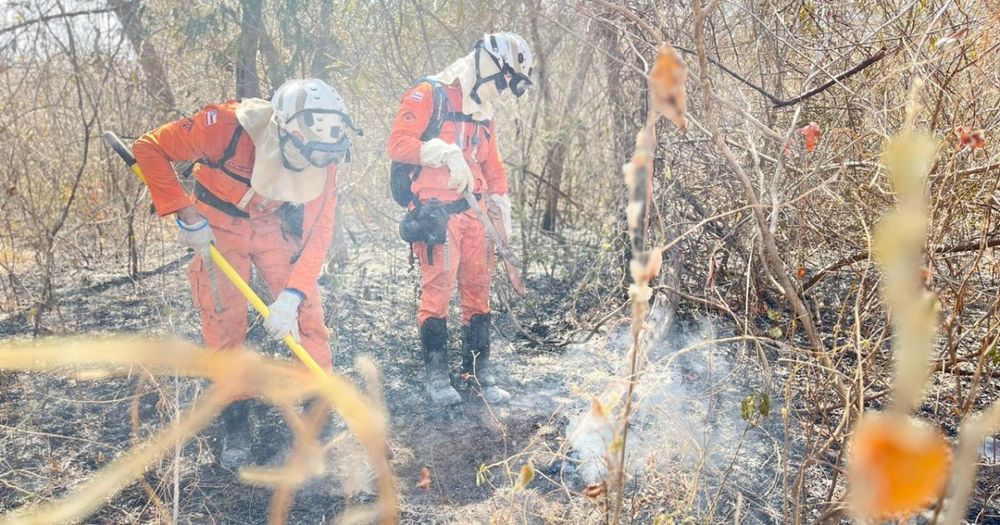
(248, 228)
(465, 257)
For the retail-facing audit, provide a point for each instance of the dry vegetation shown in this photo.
(761, 329)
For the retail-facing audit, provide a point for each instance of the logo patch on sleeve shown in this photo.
(211, 117)
(409, 116)
(416, 96)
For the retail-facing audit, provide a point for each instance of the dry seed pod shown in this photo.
(666, 86)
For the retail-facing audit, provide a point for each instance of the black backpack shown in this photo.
(401, 176)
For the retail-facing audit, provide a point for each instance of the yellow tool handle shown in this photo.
(259, 305)
(122, 150)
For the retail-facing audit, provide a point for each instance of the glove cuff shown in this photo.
(292, 296)
(192, 227)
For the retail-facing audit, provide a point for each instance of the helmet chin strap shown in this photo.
(497, 78)
(291, 158)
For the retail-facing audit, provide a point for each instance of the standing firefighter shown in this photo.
(443, 145)
(255, 161)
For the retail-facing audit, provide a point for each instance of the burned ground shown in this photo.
(692, 454)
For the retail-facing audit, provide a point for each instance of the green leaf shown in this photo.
(746, 407)
(775, 333)
(764, 407)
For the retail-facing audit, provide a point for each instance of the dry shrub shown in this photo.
(899, 465)
(234, 374)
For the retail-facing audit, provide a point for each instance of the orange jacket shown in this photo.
(205, 137)
(477, 140)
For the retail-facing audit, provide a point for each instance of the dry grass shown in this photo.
(234, 374)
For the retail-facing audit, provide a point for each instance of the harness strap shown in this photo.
(227, 154)
(247, 197)
(458, 116)
(204, 195)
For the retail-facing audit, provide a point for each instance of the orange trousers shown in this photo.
(257, 241)
(467, 258)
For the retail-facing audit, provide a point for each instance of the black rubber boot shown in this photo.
(434, 340)
(236, 444)
(331, 426)
(476, 366)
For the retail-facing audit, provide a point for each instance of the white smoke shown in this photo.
(686, 414)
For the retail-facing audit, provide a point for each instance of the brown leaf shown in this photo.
(425, 479)
(666, 86)
(594, 491)
(527, 474)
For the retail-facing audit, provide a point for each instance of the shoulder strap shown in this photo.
(227, 154)
(433, 128)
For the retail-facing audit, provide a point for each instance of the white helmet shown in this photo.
(312, 117)
(513, 59)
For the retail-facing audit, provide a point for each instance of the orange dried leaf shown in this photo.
(896, 466)
(788, 149)
(597, 409)
(425, 479)
(666, 86)
(812, 133)
(801, 274)
(969, 138)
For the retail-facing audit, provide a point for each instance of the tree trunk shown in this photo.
(251, 26)
(150, 61)
(326, 48)
(555, 159)
(624, 127)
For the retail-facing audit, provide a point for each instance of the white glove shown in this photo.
(461, 176)
(284, 316)
(502, 204)
(197, 236)
(436, 153)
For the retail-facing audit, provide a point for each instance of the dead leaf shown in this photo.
(594, 491)
(527, 474)
(666, 86)
(972, 139)
(788, 149)
(425, 479)
(896, 466)
(812, 133)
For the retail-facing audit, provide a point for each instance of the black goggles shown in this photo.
(319, 154)
(505, 78)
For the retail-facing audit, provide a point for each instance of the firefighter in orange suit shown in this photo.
(444, 127)
(256, 160)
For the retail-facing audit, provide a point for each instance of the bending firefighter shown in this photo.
(256, 160)
(443, 145)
